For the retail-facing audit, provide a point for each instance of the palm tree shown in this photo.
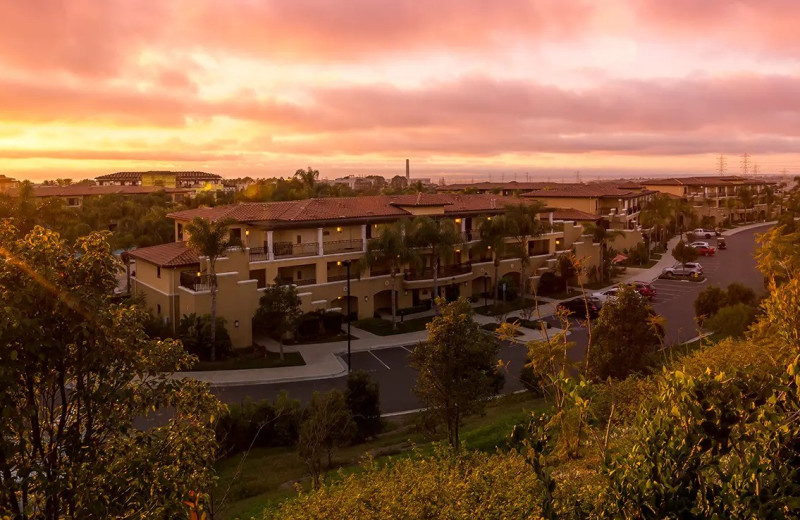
(393, 248)
(524, 224)
(210, 239)
(441, 237)
(308, 181)
(601, 235)
(657, 213)
(746, 198)
(493, 232)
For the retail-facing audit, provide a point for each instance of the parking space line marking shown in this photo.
(380, 360)
(406, 349)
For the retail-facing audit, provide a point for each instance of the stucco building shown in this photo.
(304, 243)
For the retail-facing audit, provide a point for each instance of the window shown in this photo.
(158, 309)
(236, 235)
(299, 275)
(299, 239)
(73, 201)
(180, 231)
(158, 271)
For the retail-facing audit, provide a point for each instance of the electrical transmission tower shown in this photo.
(722, 167)
(746, 163)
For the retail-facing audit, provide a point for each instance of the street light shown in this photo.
(485, 290)
(347, 263)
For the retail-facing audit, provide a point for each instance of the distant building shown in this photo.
(166, 179)
(7, 183)
(73, 195)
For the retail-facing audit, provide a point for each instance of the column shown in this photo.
(550, 218)
(364, 238)
(271, 253)
(463, 225)
(320, 250)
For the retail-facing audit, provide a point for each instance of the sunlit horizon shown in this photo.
(466, 90)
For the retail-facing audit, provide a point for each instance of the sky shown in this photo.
(465, 89)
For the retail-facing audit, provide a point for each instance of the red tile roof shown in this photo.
(345, 208)
(574, 214)
(723, 180)
(591, 190)
(174, 254)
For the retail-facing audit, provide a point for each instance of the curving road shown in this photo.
(390, 368)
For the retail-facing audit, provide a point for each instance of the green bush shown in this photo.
(732, 320)
(259, 424)
(708, 302)
(363, 399)
(738, 293)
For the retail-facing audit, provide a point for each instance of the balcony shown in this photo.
(444, 272)
(302, 281)
(469, 236)
(194, 282)
(343, 246)
(259, 254)
(289, 249)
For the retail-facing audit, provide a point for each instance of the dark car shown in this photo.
(577, 307)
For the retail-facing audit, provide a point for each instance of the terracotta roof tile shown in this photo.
(181, 176)
(174, 254)
(724, 180)
(573, 214)
(597, 190)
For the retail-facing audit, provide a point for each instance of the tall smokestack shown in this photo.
(408, 172)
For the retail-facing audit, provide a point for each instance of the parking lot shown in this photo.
(378, 359)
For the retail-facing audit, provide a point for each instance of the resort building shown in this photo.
(721, 197)
(166, 179)
(309, 243)
(7, 184)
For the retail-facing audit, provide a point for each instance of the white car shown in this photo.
(705, 233)
(606, 295)
(691, 265)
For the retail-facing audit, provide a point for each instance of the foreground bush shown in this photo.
(474, 485)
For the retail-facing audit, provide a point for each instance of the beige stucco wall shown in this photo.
(586, 204)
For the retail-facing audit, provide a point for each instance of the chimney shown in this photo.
(408, 172)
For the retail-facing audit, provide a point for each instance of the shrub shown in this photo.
(549, 283)
(260, 424)
(195, 333)
(738, 293)
(708, 302)
(363, 399)
(732, 320)
(332, 322)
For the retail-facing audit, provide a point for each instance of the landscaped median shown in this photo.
(251, 358)
(381, 327)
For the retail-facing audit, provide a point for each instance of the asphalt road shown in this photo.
(390, 368)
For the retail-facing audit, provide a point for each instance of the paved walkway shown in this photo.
(322, 361)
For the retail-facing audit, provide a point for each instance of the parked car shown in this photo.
(645, 289)
(577, 307)
(681, 271)
(604, 296)
(705, 233)
(694, 265)
(703, 248)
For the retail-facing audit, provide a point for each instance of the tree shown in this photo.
(457, 367)
(441, 237)
(602, 235)
(391, 247)
(657, 213)
(624, 336)
(738, 293)
(364, 400)
(195, 334)
(493, 232)
(76, 372)
(327, 425)
(683, 253)
(278, 311)
(308, 181)
(211, 240)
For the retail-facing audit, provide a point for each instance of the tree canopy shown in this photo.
(76, 371)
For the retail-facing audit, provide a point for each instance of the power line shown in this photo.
(746, 163)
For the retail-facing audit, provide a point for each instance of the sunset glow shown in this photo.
(465, 89)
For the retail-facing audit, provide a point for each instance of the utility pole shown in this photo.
(722, 166)
(578, 176)
(755, 169)
(746, 163)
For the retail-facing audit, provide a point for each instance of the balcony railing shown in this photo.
(469, 236)
(444, 271)
(342, 277)
(288, 249)
(285, 280)
(259, 254)
(342, 246)
(194, 282)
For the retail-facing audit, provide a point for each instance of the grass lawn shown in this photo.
(505, 308)
(268, 475)
(324, 339)
(249, 359)
(646, 265)
(383, 327)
